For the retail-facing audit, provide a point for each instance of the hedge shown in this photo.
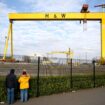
(56, 84)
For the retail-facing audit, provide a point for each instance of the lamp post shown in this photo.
(86, 56)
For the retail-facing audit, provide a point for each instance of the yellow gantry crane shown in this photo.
(88, 16)
(69, 54)
(9, 37)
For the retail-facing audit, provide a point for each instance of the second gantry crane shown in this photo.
(69, 54)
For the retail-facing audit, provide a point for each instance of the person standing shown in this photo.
(11, 84)
(24, 86)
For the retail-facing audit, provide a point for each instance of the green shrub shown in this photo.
(56, 84)
(2, 90)
(50, 85)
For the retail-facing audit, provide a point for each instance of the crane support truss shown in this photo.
(56, 16)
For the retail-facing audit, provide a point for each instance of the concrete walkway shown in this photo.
(82, 97)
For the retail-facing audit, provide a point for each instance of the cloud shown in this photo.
(46, 36)
(54, 5)
(50, 36)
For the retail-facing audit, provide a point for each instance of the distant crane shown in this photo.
(101, 5)
(68, 53)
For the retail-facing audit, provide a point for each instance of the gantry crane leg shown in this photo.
(9, 37)
(103, 42)
(11, 41)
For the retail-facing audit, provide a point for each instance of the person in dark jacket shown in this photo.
(11, 84)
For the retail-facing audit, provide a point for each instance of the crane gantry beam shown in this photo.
(56, 16)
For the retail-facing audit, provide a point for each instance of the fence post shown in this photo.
(94, 78)
(71, 81)
(38, 77)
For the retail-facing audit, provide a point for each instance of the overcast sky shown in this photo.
(46, 36)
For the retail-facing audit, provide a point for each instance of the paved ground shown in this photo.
(81, 97)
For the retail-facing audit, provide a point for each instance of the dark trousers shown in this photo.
(10, 95)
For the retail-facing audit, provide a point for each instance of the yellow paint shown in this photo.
(6, 44)
(103, 39)
(11, 41)
(54, 16)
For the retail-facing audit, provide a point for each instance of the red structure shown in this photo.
(84, 8)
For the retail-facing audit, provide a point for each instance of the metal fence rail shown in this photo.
(80, 72)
